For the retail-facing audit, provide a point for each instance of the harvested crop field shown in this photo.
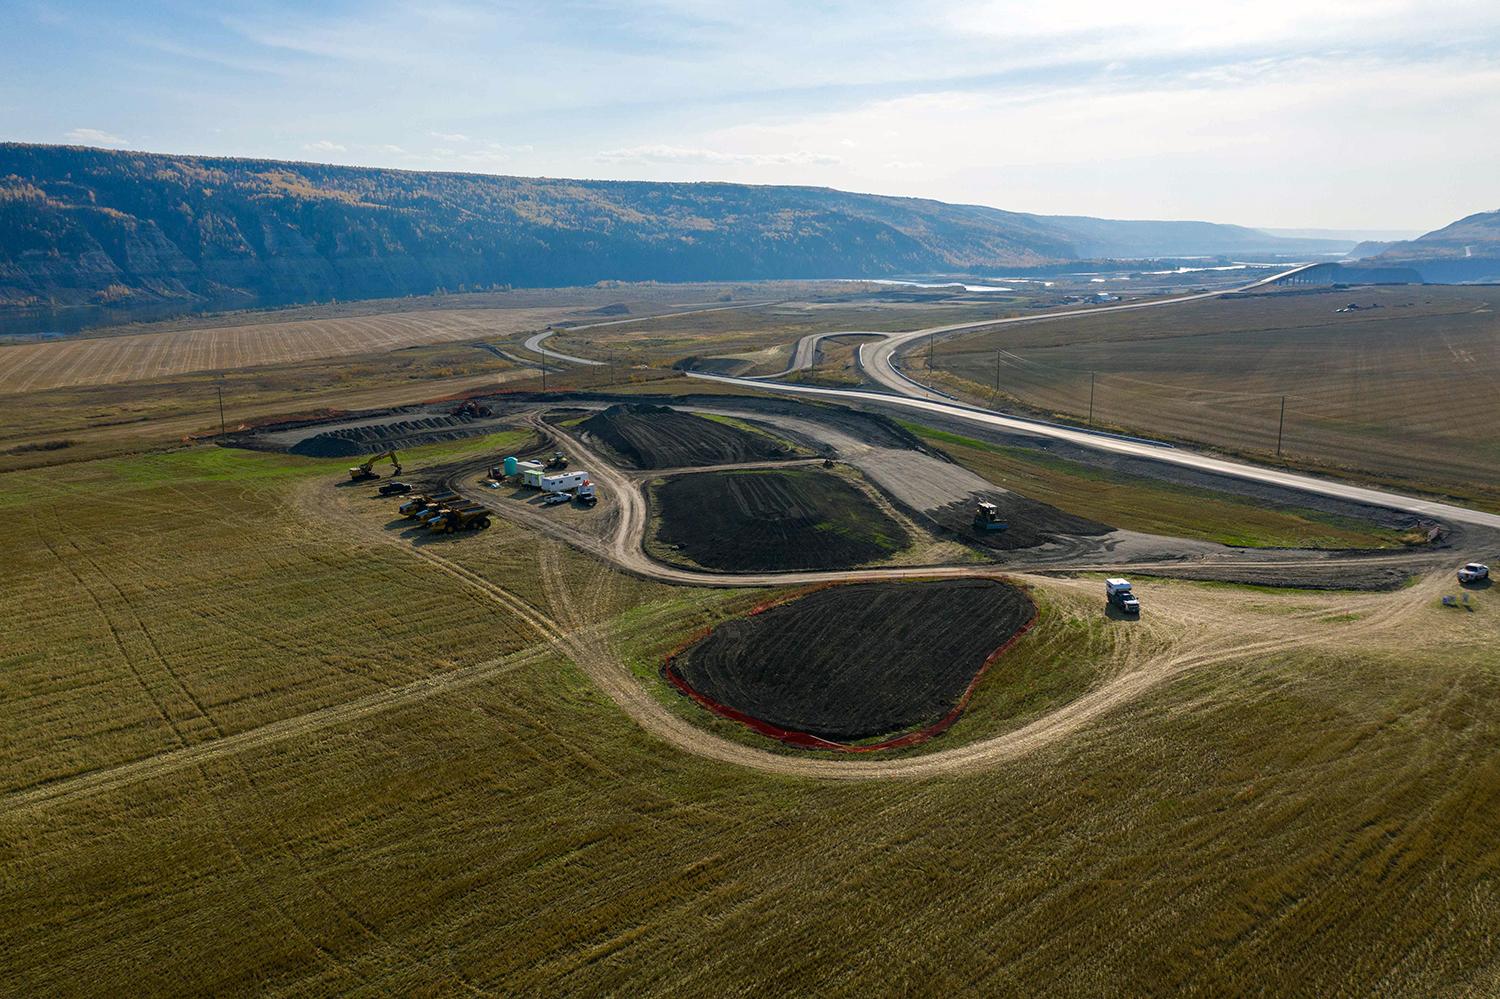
(773, 519)
(106, 360)
(646, 436)
(856, 662)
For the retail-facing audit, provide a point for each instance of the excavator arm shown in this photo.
(367, 470)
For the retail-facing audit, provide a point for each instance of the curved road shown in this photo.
(534, 342)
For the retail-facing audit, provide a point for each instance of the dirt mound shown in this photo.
(773, 520)
(346, 442)
(856, 662)
(1032, 522)
(646, 436)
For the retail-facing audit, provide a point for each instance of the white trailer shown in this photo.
(563, 482)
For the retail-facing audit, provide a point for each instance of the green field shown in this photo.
(1404, 393)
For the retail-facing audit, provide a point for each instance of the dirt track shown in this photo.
(1181, 632)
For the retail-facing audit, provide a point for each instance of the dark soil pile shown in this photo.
(855, 662)
(646, 436)
(773, 520)
(347, 442)
(1032, 522)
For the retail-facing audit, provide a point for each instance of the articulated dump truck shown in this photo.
(468, 518)
(445, 513)
(422, 504)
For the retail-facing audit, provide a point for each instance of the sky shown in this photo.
(1348, 114)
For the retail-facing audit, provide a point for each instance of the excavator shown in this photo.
(359, 473)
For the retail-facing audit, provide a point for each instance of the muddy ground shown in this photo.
(776, 520)
(854, 662)
(644, 436)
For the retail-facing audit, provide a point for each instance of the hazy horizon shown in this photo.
(1271, 115)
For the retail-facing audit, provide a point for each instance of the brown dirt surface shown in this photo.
(645, 436)
(773, 520)
(855, 662)
(106, 360)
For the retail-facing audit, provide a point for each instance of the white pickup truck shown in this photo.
(1474, 572)
(1119, 593)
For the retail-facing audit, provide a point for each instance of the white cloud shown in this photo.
(449, 136)
(713, 157)
(325, 146)
(94, 137)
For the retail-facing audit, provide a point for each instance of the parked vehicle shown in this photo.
(553, 499)
(1119, 593)
(586, 493)
(1474, 572)
(394, 489)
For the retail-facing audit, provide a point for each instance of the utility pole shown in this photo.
(1091, 398)
(543, 351)
(1280, 426)
(220, 387)
(996, 396)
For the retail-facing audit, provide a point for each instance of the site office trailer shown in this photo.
(562, 483)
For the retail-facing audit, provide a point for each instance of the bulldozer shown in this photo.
(451, 519)
(987, 517)
(360, 473)
(557, 462)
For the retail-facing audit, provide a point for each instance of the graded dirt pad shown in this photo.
(1032, 523)
(855, 662)
(773, 520)
(646, 436)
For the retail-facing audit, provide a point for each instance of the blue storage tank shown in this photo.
(510, 467)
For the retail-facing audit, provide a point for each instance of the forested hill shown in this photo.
(88, 226)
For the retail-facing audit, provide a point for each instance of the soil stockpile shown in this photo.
(773, 520)
(346, 442)
(646, 436)
(1032, 522)
(856, 662)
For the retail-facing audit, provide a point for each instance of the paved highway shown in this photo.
(879, 363)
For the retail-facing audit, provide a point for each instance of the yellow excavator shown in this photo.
(360, 473)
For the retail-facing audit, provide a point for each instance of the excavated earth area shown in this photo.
(362, 435)
(856, 662)
(773, 520)
(644, 436)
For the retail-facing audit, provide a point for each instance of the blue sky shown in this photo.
(1313, 113)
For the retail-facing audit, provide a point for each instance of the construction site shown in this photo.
(705, 643)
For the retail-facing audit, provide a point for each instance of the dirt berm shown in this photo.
(645, 436)
(855, 662)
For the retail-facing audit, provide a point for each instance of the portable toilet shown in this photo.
(510, 467)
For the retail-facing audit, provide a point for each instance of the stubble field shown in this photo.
(1404, 393)
(397, 783)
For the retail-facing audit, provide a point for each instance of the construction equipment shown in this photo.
(359, 473)
(1119, 593)
(987, 517)
(468, 518)
(557, 461)
(394, 489)
(472, 409)
(424, 503)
